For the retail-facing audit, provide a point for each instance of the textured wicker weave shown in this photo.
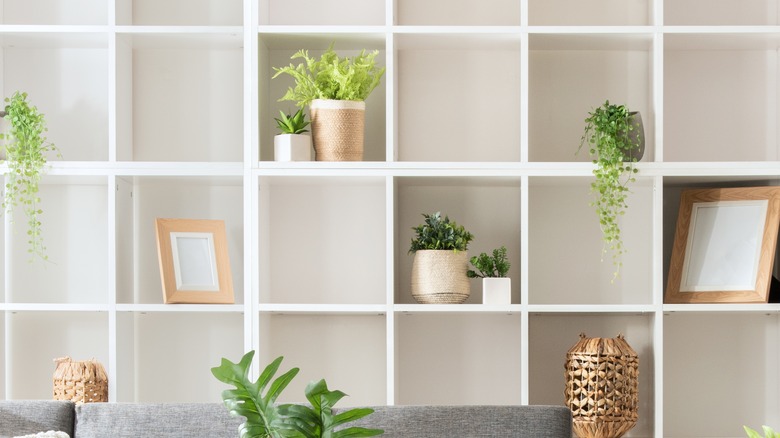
(601, 387)
(80, 382)
(439, 277)
(337, 129)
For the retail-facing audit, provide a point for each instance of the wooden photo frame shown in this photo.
(724, 246)
(194, 263)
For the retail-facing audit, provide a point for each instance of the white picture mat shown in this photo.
(724, 246)
(194, 261)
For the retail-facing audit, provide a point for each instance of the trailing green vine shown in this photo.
(612, 139)
(25, 148)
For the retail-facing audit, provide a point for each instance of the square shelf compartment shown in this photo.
(348, 351)
(593, 13)
(570, 75)
(66, 78)
(161, 354)
(565, 248)
(720, 97)
(426, 64)
(180, 97)
(275, 51)
(323, 240)
(179, 12)
(322, 12)
(552, 335)
(441, 359)
(35, 339)
(140, 200)
(75, 235)
(56, 12)
(464, 13)
(487, 207)
(720, 373)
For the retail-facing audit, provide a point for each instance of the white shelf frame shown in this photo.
(250, 169)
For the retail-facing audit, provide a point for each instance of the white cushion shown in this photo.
(49, 434)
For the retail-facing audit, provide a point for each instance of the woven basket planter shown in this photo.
(602, 382)
(80, 382)
(439, 277)
(337, 128)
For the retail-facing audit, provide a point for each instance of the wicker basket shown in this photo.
(80, 382)
(601, 387)
(337, 128)
(439, 277)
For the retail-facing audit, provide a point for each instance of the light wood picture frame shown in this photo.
(724, 246)
(194, 262)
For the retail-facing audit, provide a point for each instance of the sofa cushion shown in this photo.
(470, 421)
(24, 417)
(161, 420)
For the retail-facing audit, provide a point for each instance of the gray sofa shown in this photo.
(211, 420)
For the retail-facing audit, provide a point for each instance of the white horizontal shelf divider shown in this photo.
(512, 309)
(54, 307)
(722, 307)
(323, 309)
(592, 308)
(176, 308)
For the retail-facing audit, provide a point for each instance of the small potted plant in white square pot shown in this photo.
(496, 286)
(292, 144)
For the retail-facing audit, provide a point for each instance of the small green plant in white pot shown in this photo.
(440, 261)
(492, 269)
(292, 143)
(335, 89)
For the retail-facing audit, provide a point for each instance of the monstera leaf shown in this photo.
(318, 420)
(768, 432)
(263, 418)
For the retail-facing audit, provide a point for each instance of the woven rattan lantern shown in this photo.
(602, 381)
(80, 382)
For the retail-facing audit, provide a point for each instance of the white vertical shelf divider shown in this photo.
(391, 156)
(390, 328)
(250, 195)
(658, 216)
(525, 339)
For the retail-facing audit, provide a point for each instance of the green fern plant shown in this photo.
(256, 402)
(768, 432)
(440, 234)
(292, 124)
(487, 266)
(331, 77)
(611, 138)
(26, 147)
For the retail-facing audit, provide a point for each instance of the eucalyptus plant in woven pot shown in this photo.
(335, 89)
(440, 261)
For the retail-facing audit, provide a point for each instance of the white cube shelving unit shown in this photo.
(164, 108)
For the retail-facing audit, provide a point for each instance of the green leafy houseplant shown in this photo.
(768, 432)
(25, 147)
(611, 138)
(439, 233)
(487, 266)
(331, 77)
(266, 418)
(292, 124)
